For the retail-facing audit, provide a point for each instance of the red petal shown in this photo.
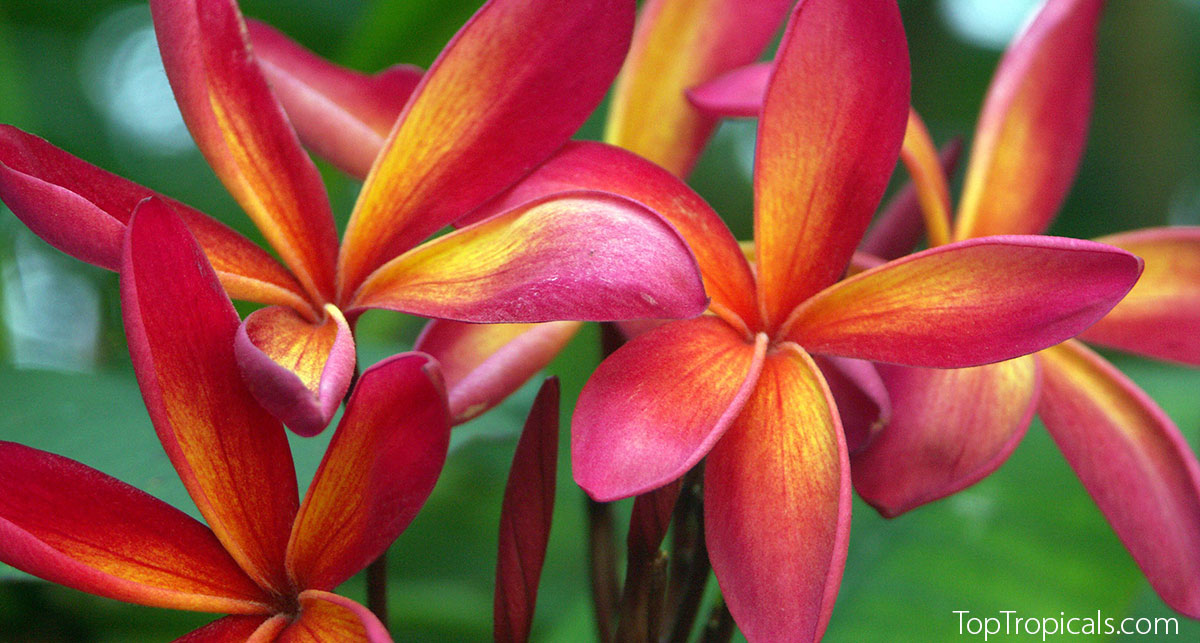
(342, 115)
(829, 137)
(492, 86)
(1135, 464)
(900, 226)
(380, 467)
(658, 404)
(864, 406)
(244, 134)
(484, 363)
(326, 617)
(950, 428)
(232, 456)
(525, 518)
(777, 504)
(234, 629)
(739, 93)
(75, 526)
(297, 370)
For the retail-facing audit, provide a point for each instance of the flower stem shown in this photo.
(603, 566)
(377, 593)
(690, 571)
(720, 626)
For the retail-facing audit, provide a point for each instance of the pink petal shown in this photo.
(829, 137)
(525, 518)
(380, 467)
(232, 456)
(493, 106)
(777, 504)
(75, 526)
(678, 44)
(297, 370)
(1033, 125)
(586, 256)
(900, 226)
(863, 404)
(968, 303)
(344, 116)
(483, 364)
(1135, 464)
(1160, 317)
(658, 404)
(244, 134)
(738, 93)
(950, 428)
(235, 629)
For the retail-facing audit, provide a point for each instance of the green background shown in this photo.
(1027, 539)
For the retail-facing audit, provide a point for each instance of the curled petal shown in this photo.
(950, 428)
(525, 518)
(244, 134)
(830, 134)
(1134, 463)
(933, 191)
(1160, 317)
(587, 256)
(863, 404)
(232, 456)
(297, 370)
(900, 226)
(342, 115)
(678, 44)
(484, 363)
(494, 105)
(75, 526)
(739, 93)
(329, 617)
(968, 303)
(380, 467)
(777, 504)
(658, 404)
(235, 629)
(1033, 126)
(82, 210)
(586, 165)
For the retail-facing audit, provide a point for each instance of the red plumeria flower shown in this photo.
(265, 558)
(740, 387)
(508, 90)
(950, 429)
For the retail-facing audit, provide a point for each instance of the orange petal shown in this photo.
(235, 629)
(232, 456)
(326, 617)
(244, 134)
(494, 105)
(933, 193)
(828, 140)
(1160, 317)
(678, 44)
(777, 503)
(1033, 125)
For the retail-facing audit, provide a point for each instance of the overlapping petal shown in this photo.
(967, 303)
(232, 456)
(830, 134)
(328, 617)
(1033, 125)
(1160, 317)
(234, 629)
(659, 403)
(586, 165)
(863, 404)
(527, 71)
(525, 518)
(82, 210)
(244, 134)
(777, 504)
(738, 93)
(75, 526)
(342, 115)
(484, 363)
(380, 467)
(587, 256)
(950, 428)
(1134, 463)
(929, 179)
(678, 44)
(900, 226)
(297, 370)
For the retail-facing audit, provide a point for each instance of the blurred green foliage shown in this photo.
(1026, 539)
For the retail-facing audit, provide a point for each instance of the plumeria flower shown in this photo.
(508, 90)
(740, 385)
(950, 429)
(264, 558)
(345, 116)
